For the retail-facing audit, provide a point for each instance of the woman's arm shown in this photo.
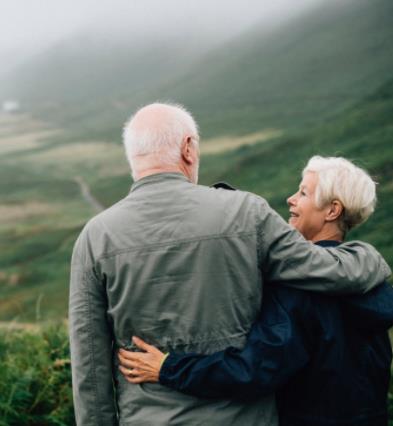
(275, 349)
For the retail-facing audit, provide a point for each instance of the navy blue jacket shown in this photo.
(327, 358)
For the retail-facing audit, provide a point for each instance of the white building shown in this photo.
(10, 106)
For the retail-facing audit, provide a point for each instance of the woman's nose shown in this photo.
(291, 200)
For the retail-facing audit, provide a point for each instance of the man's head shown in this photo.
(162, 138)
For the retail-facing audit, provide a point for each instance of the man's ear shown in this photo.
(334, 211)
(186, 150)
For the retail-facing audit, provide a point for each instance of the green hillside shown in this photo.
(322, 81)
(323, 61)
(327, 59)
(36, 248)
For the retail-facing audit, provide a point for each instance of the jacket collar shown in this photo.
(156, 178)
(328, 243)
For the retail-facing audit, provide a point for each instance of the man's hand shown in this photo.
(140, 367)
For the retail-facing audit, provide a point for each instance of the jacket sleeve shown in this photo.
(372, 311)
(90, 343)
(286, 257)
(276, 348)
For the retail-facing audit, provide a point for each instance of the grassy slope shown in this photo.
(41, 213)
(36, 249)
(36, 238)
(333, 56)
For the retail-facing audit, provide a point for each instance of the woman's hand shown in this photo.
(140, 367)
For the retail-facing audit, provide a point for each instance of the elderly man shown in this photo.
(182, 266)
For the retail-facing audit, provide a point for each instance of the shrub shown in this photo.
(35, 377)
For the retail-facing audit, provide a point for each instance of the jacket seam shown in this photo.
(168, 243)
(260, 234)
(91, 350)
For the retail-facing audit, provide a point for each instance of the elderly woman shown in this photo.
(327, 358)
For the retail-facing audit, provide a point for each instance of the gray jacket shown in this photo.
(182, 266)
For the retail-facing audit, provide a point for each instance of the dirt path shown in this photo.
(226, 143)
(87, 195)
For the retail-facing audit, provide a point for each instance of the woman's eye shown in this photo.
(302, 193)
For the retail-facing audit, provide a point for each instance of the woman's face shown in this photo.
(305, 216)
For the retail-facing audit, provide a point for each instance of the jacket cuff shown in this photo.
(168, 370)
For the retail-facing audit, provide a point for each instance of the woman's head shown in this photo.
(333, 197)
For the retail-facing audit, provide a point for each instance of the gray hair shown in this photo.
(339, 179)
(158, 129)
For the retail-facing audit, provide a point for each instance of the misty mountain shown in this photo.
(91, 65)
(298, 74)
(329, 58)
(87, 81)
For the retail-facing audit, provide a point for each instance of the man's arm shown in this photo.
(90, 342)
(286, 257)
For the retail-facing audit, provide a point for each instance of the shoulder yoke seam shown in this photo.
(180, 241)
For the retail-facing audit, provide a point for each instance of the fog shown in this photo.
(29, 26)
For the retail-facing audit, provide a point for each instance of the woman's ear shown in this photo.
(334, 211)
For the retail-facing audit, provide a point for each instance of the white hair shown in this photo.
(158, 130)
(339, 179)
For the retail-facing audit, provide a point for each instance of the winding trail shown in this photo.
(87, 195)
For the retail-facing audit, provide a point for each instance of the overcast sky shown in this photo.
(28, 25)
